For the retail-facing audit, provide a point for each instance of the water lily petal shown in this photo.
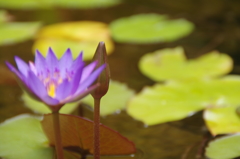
(76, 79)
(86, 83)
(82, 94)
(77, 61)
(36, 85)
(52, 61)
(63, 90)
(65, 62)
(88, 70)
(22, 66)
(40, 62)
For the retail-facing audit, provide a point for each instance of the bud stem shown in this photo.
(96, 128)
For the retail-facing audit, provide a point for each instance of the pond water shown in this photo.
(217, 27)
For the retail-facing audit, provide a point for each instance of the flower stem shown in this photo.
(57, 135)
(96, 128)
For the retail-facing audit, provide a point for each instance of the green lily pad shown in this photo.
(149, 28)
(79, 36)
(86, 4)
(41, 108)
(115, 100)
(171, 63)
(43, 4)
(3, 16)
(177, 100)
(17, 31)
(226, 147)
(22, 137)
(222, 120)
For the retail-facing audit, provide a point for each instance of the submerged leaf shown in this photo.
(77, 134)
(84, 35)
(21, 137)
(170, 64)
(41, 108)
(17, 31)
(149, 28)
(115, 100)
(224, 148)
(177, 100)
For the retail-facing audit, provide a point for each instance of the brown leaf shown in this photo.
(77, 135)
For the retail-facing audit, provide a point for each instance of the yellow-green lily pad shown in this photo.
(226, 147)
(222, 120)
(176, 100)
(13, 32)
(149, 28)
(22, 137)
(43, 4)
(79, 36)
(3, 16)
(39, 107)
(115, 100)
(171, 63)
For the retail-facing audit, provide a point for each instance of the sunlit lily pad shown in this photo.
(17, 31)
(226, 147)
(177, 100)
(115, 100)
(78, 36)
(3, 16)
(41, 108)
(85, 4)
(170, 64)
(22, 137)
(42, 4)
(222, 120)
(149, 28)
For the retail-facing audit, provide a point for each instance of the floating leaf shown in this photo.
(149, 28)
(17, 32)
(170, 64)
(224, 148)
(222, 120)
(41, 108)
(85, 4)
(22, 137)
(115, 100)
(177, 100)
(78, 36)
(78, 132)
(3, 16)
(37, 4)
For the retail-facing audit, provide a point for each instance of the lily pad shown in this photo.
(43, 4)
(224, 148)
(17, 31)
(77, 134)
(83, 35)
(22, 137)
(177, 100)
(171, 63)
(114, 101)
(86, 4)
(41, 108)
(222, 120)
(3, 16)
(149, 28)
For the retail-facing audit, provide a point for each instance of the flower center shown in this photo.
(51, 89)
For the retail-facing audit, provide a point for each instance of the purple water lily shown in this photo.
(56, 82)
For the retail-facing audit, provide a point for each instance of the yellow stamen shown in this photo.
(51, 90)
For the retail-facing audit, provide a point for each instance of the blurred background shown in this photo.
(33, 24)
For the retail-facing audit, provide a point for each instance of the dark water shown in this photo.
(217, 28)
